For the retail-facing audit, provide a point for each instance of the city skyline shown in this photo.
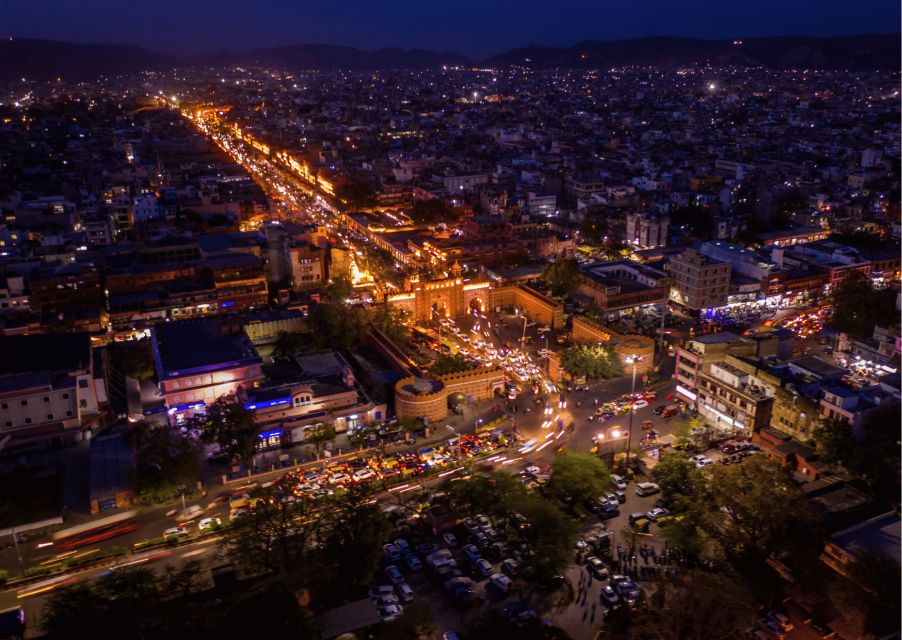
(470, 29)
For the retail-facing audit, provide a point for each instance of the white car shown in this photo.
(641, 403)
(529, 445)
(405, 592)
(190, 513)
(450, 539)
(175, 531)
(209, 523)
(391, 612)
(701, 461)
(363, 474)
(501, 582)
(381, 591)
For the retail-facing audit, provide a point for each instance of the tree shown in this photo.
(706, 606)
(355, 194)
(319, 434)
(336, 326)
(287, 344)
(231, 426)
(165, 460)
(494, 494)
(578, 478)
(874, 592)
(493, 626)
(379, 261)
(339, 289)
(562, 277)
(392, 322)
(590, 361)
(834, 440)
(592, 231)
(445, 364)
(133, 359)
(350, 542)
(548, 533)
(762, 513)
(858, 307)
(678, 476)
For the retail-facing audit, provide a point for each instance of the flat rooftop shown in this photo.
(881, 532)
(61, 352)
(181, 347)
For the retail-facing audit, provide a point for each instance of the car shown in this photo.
(483, 567)
(481, 540)
(647, 489)
(619, 482)
(234, 514)
(609, 498)
(381, 591)
(405, 592)
(384, 601)
(637, 515)
(364, 474)
(608, 511)
(426, 548)
(501, 582)
(449, 539)
(781, 619)
(657, 512)
(659, 409)
(773, 627)
(701, 460)
(413, 562)
(402, 545)
(641, 403)
(472, 552)
(390, 613)
(609, 596)
(190, 513)
(510, 567)
(392, 552)
(450, 635)
(394, 574)
(597, 567)
(209, 523)
(178, 532)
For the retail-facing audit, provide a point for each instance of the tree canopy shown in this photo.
(858, 307)
(578, 478)
(165, 460)
(562, 277)
(391, 322)
(590, 361)
(449, 364)
(678, 476)
(336, 326)
(227, 423)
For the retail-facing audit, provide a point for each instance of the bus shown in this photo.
(95, 531)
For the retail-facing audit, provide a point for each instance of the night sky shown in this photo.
(473, 27)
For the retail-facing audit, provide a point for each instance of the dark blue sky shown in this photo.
(473, 27)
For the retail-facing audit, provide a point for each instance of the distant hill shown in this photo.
(845, 52)
(47, 59)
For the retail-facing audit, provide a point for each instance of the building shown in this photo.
(695, 354)
(733, 396)
(698, 282)
(880, 533)
(647, 230)
(428, 398)
(625, 287)
(306, 265)
(317, 388)
(52, 389)
(199, 361)
(799, 386)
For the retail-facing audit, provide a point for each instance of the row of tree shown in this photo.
(591, 361)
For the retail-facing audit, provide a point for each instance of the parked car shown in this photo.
(190, 513)
(597, 567)
(394, 574)
(390, 613)
(501, 582)
(405, 592)
(381, 591)
(449, 539)
(647, 489)
(619, 482)
(392, 552)
(609, 596)
(656, 513)
(413, 562)
(209, 523)
(510, 567)
(483, 567)
(472, 552)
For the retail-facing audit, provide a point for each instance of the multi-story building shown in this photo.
(52, 389)
(698, 282)
(646, 230)
(306, 265)
(733, 396)
(798, 387)
(200, 361)
(625, 286)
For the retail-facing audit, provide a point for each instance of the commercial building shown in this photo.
(734, 397)
(624, 286)
(647, 230)
(199, 361)
(52, 389)
(697, 281)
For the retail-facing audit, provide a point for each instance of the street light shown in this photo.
(633, 360)
(454, 431)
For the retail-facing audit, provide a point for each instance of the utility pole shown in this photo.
(629, 434)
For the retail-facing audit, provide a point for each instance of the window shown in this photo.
(46, 399)
(68, 414)
(83, 403)
(83, 383)
(175, 384)
(65, 396)
(50, 416)
(27, 420)
(9, 423)
(4, 406)
(24, 403)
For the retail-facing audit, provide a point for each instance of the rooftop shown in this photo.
(45, 352)
(880, 532)
(181, 347)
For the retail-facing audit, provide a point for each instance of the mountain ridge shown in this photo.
(48, 59)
